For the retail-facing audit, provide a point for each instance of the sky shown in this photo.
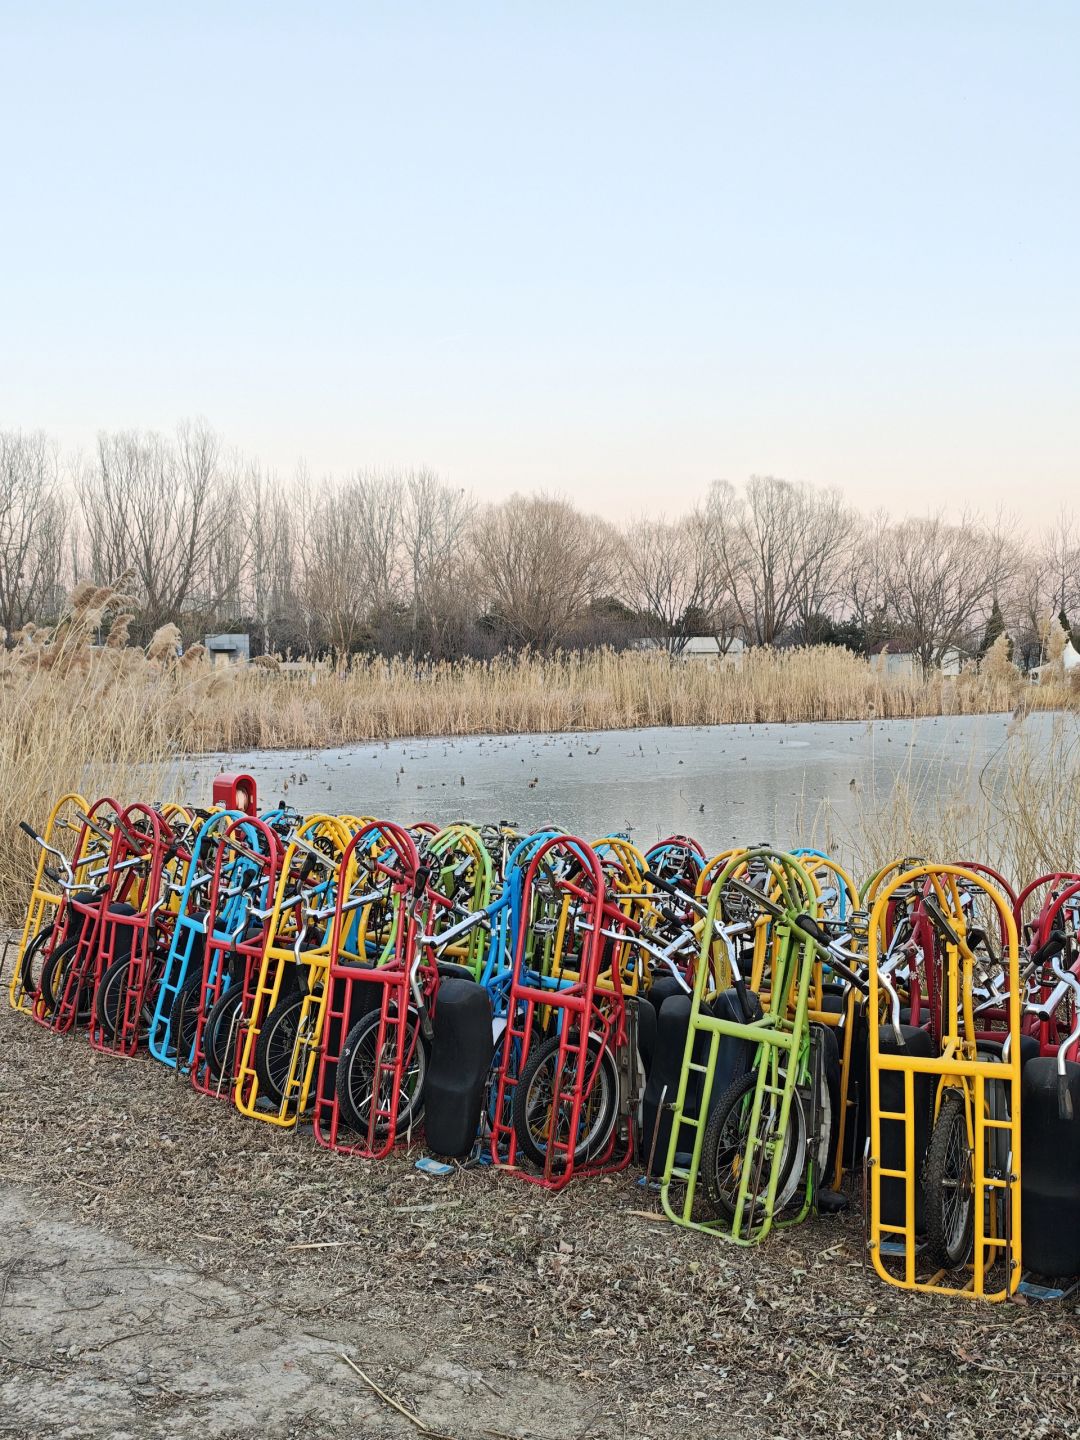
(611, 250)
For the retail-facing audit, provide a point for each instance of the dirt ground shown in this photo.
(168, 1268)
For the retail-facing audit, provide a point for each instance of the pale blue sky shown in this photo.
(616, 250)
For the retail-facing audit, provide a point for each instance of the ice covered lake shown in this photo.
(722, 784)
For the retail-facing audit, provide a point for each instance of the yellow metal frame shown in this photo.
(957, 1067)
(277, 955)
(714, 867)
(471, 949)
(43, 899)
(626, 888)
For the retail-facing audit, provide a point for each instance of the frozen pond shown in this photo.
(722, 784)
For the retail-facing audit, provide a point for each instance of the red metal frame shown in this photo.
(924, 997)
(236, 791)
(1048, 1032)
(397, 860)
(580, 1012)
(144, 838)
(1051, 879)
(218, 949)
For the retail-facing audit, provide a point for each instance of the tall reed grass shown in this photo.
(604, 690)
(1018, 810)
(61, 733)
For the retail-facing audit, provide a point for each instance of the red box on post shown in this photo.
(236, 792)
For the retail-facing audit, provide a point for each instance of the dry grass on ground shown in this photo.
(578, 1300)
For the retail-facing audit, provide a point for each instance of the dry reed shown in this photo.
(1018, 810)
(393, 699)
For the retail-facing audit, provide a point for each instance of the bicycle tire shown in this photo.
(722, 1199)
(109, 1002)
(354, 1089)
(54, 980)
(950, 1228)
(276, 1047)
(598, 1133)
(184, 1018)
(220, 1058)
(31, 983)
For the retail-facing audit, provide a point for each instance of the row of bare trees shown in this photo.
(403, 562)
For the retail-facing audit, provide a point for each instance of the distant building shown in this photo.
(707, 647)
(1070, 659)
(700, 647)
(228, 649)
(906, 663)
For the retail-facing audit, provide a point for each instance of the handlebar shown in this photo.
(673, 887)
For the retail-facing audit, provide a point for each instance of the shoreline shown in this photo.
(435, 737)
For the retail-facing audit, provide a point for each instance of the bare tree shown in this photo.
(1028, 599)
(152, 506)
(940, 582)
(671, 578)
(1059, 548)
(350, 556)
(268, 572)
(435, 525)
(819, 558)
(32, 529)
(781, 549)
(864, 594)
(401, 561)
(542, 563)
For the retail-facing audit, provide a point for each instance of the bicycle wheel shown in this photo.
(949, 1183)
(726, 1144)
(224, 1024)
(110, 1002)
(184, 1018)
(33, 959)
(355, 1081)
(535, 1092)
(54, 974)
(276, 1046)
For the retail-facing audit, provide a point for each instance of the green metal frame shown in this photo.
(778, 1035)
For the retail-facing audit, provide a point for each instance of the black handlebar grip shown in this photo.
(1052, 947)
(809, 926)
(427, 1029)
(29, 830)
(672, 888)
